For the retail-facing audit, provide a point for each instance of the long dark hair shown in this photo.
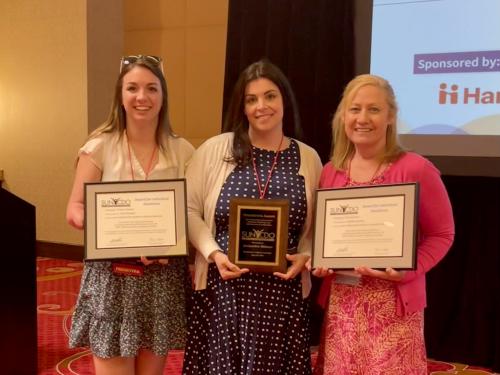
(116, 120)
(236, 120)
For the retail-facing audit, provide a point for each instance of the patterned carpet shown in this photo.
(57, 288)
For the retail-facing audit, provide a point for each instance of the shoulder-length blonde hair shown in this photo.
(342, 147)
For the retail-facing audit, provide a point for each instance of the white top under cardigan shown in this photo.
(206, 173)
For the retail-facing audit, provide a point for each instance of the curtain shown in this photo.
(462, 320)
(312, 41)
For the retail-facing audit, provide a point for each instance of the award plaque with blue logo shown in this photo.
(373, 226)
(258, 234)
(135, 218)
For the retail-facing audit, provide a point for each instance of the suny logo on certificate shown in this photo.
(115, 202)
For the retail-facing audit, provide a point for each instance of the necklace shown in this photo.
(262, 192)
(150, 164)
(375, 179)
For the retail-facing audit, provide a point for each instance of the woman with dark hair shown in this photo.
(128, 321)
(245, 322)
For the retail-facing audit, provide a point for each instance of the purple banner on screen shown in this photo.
(457, 62)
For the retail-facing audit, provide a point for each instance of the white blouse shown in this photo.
(110, 153)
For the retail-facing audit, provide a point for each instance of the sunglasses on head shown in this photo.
(127, 60)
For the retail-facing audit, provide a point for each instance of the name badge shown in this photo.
(124, 269)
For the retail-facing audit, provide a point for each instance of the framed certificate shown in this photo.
(373, 226)
(258, 234)
(135, 218)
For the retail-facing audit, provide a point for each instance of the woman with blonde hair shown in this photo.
(374, 318)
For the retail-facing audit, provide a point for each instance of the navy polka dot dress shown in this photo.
(258, 323)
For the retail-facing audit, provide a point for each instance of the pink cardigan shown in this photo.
(436, 228)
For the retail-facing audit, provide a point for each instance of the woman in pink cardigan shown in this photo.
(374, 318)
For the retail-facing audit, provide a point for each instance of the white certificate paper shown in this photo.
(373, 226)
(364, 227)
(135, 218)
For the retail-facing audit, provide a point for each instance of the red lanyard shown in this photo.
(262, 192)
(372, 180)
(146, 172)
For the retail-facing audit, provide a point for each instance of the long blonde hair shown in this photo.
(342, 147)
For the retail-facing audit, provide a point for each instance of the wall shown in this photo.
(58, 64)
(190, 35)
(104, 51)
(43, 102)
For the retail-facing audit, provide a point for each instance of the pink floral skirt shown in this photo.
(363, 335)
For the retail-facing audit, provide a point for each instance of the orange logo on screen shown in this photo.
(455, 95)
